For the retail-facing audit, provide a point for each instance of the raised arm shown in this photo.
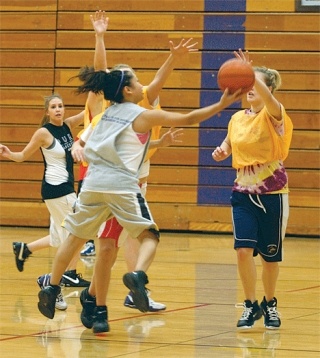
(75, 120)
(272, 104)
(176, 52)
(100, 24)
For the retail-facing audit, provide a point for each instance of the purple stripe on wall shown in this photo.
(223, 33)
(224, 22)
(216, 176)
(225, 5)
(214, 195)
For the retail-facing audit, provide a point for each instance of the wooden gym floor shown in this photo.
(194, 275)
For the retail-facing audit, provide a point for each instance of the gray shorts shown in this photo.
(93, 208)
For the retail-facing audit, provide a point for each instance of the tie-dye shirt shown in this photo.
(259, 144)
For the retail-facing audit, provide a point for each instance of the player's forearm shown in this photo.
(100, 56)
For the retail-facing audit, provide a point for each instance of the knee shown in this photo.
(244, 253)
(149, 234)
(107, 248)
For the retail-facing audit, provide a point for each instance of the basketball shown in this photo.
(235, 74)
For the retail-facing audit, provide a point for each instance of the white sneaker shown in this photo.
(153, 306)
(61, 304)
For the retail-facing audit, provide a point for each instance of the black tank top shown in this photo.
(64, 136)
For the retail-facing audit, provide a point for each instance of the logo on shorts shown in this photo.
(272, 249)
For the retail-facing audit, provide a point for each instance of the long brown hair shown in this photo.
(47, 100)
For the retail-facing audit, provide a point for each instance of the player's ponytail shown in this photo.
(110, 83)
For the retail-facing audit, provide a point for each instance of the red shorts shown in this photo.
(111, 230)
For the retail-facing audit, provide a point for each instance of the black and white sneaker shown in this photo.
(100, 320)
(88, 304)
(153, 305)
(44, 281)
(251, 313)
(21, 253)
(136, 282)
(73, 279)
(271, 314)
(47, 300)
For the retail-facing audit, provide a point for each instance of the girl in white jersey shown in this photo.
(259, 140)
(115, 153)
(54, 139)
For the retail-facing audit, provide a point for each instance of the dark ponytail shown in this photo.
(108, 83)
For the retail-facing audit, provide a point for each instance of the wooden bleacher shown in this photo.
(43, 44)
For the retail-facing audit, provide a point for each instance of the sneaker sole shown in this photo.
(100, 328)
(130, 305)
(151, 309)
(45, 305)
(272, 327)
(139, 295)
(245, 327)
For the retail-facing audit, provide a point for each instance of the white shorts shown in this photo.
(59, 208)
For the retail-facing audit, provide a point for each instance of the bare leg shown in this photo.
(247, 272)
(102, 270)
(270, 273)
(65, 253)
(131, 252)
(39, 244)
(147, 250)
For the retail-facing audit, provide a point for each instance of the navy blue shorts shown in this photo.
(259, 222)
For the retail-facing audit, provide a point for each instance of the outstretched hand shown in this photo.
(228, 98)
(99, 22)
(243, 56)
(171, 137)
(185, 46)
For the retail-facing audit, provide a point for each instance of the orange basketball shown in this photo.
(235, 74)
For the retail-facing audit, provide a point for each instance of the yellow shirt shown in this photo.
(257, 139)
(259, 145)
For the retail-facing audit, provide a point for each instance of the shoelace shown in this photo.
(273, 313)
(246, 312)
(60, 297)
(79, 276)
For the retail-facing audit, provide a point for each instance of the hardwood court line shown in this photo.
(304, 289)
(112, 320)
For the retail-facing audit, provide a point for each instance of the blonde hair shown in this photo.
(47, 100)
(272, 77)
